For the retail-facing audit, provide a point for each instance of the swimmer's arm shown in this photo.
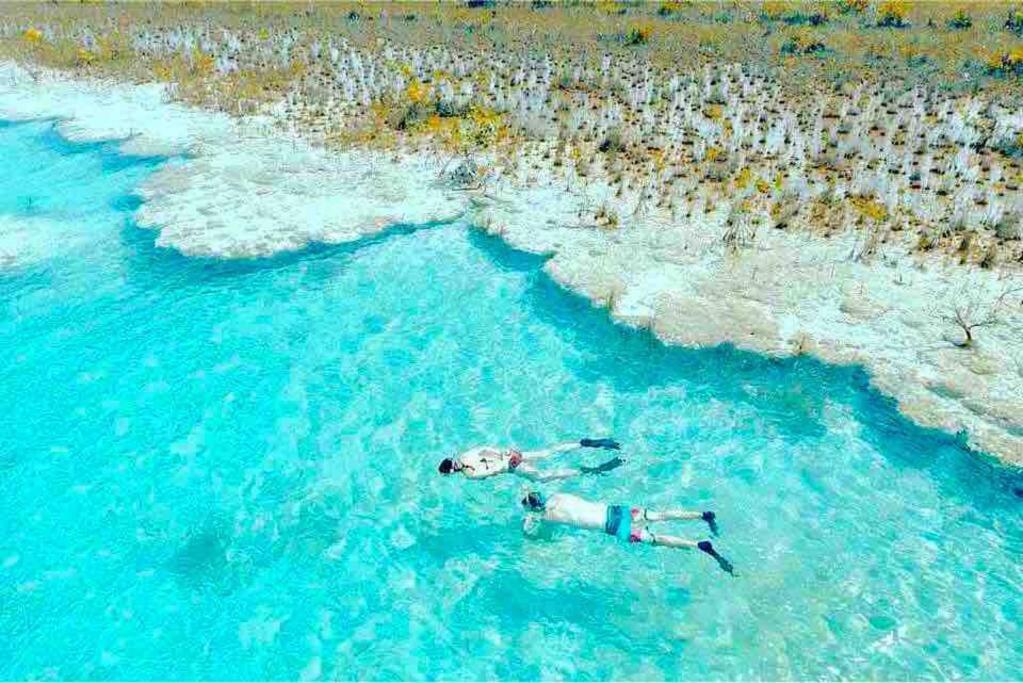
(531, 524)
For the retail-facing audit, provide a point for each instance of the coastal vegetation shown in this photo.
(901, 119)
(894, 118)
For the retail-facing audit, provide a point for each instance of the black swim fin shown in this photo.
(711, 519)
(603, 467)
(708, 548)
(610, 444)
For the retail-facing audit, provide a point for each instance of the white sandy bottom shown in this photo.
(25, 240)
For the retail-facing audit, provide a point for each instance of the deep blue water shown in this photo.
(228, 470)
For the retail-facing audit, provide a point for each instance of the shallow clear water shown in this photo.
(227, 470)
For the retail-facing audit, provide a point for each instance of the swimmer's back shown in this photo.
(564, 508)
(483, 461)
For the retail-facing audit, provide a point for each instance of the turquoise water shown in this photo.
(227, 470)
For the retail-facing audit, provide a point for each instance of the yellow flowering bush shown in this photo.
(1005, 62)
(893, 14)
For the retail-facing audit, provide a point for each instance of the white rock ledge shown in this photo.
(238, 190)
(241, 192)
(788, 293)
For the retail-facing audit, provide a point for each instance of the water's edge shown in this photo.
(169, 197)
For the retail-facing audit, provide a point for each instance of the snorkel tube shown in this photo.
(609, 444)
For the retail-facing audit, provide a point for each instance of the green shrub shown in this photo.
(892, 15)
(1015, 22)
(852, 6)
(797, 18)
(669, 9)
(612, 143)
(960, 21)
(408, 116)
(797, 46)
(637, 35)
(449, 109)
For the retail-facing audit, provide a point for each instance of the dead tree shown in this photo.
(969, 313)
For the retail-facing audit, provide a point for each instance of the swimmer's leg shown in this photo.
(603, 467)
(707, 547)
(663, 516)
(647, 536)
(548, 452)
(529, 471)
(667, 541)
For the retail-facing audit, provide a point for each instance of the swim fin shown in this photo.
(708, 548)
(711, 519)
(603, 467)
(610, 444)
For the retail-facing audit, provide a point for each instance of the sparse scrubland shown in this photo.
(836, 178)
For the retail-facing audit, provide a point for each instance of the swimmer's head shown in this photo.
(535, 501)
(448, 465)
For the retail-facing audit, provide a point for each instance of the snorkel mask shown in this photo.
(450, 466)
(534, 501)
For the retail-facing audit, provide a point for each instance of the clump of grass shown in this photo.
(638, 35)
(1006, 63)
(799, 17)
(853, 6)
(1009, 226)
(1014, 22)
(669, 9)
(893, 15)
(870, 208)
(606, 217)
(802, 44)
(740, 229)
(613, 143)
(409, 116)
(960, 21)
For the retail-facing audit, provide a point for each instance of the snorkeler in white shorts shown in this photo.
(489, 461)
(628, 524)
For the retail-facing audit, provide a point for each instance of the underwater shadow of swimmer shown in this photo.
(203, 562)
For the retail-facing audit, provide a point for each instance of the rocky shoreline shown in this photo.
(247, 187)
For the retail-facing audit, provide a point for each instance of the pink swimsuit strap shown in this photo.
(636, 532)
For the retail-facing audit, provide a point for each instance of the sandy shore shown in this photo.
(239, 190)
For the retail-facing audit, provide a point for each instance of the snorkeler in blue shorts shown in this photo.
(628, 524)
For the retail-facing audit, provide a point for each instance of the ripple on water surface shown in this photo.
(227, 470)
